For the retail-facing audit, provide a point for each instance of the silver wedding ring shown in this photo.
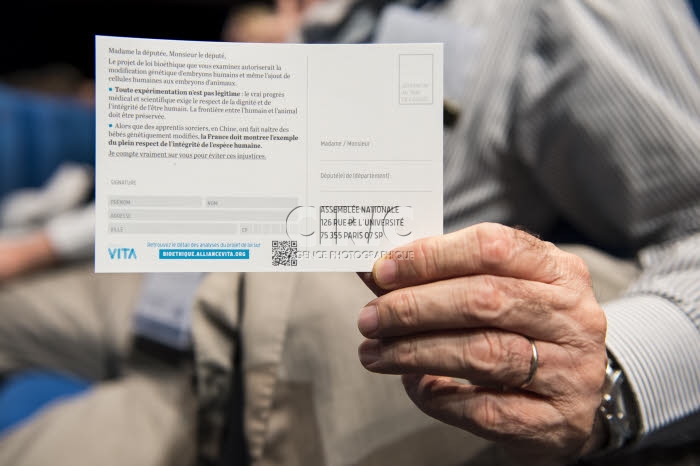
(534, 361)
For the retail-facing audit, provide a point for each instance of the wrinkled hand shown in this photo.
(463, 305)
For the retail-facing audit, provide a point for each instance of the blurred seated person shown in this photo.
(258, 22)
(38, 134)
(72, 357)
(46, 171)
(48, 226)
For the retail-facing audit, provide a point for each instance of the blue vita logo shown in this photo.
(121, 253)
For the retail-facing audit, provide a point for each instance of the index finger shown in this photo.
(486, 248)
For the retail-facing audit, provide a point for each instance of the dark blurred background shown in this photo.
(39, 33)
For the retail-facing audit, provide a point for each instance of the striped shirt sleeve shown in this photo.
(653, 333)
(610, 128)
(589, 111)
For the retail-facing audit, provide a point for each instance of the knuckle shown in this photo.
(426, 258)
(403, 309)
(495, 244)
(547, 253)
(578, 269)
(488, 297)
(550, 255)
(579, 265)
(405, 354)
(484, 354)
(489, 414)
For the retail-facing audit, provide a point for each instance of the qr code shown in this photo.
(284, 253)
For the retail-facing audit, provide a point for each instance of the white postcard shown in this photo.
(215, 156)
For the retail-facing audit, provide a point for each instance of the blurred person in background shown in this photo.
(73, 365)
(47, 157)
(258, 22)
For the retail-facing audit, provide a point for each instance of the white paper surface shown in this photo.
(264, 157)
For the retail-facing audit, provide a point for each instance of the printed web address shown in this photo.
(203, 254)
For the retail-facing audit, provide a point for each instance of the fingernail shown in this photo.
(368, 320)
(369, 352)
(387, 271)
